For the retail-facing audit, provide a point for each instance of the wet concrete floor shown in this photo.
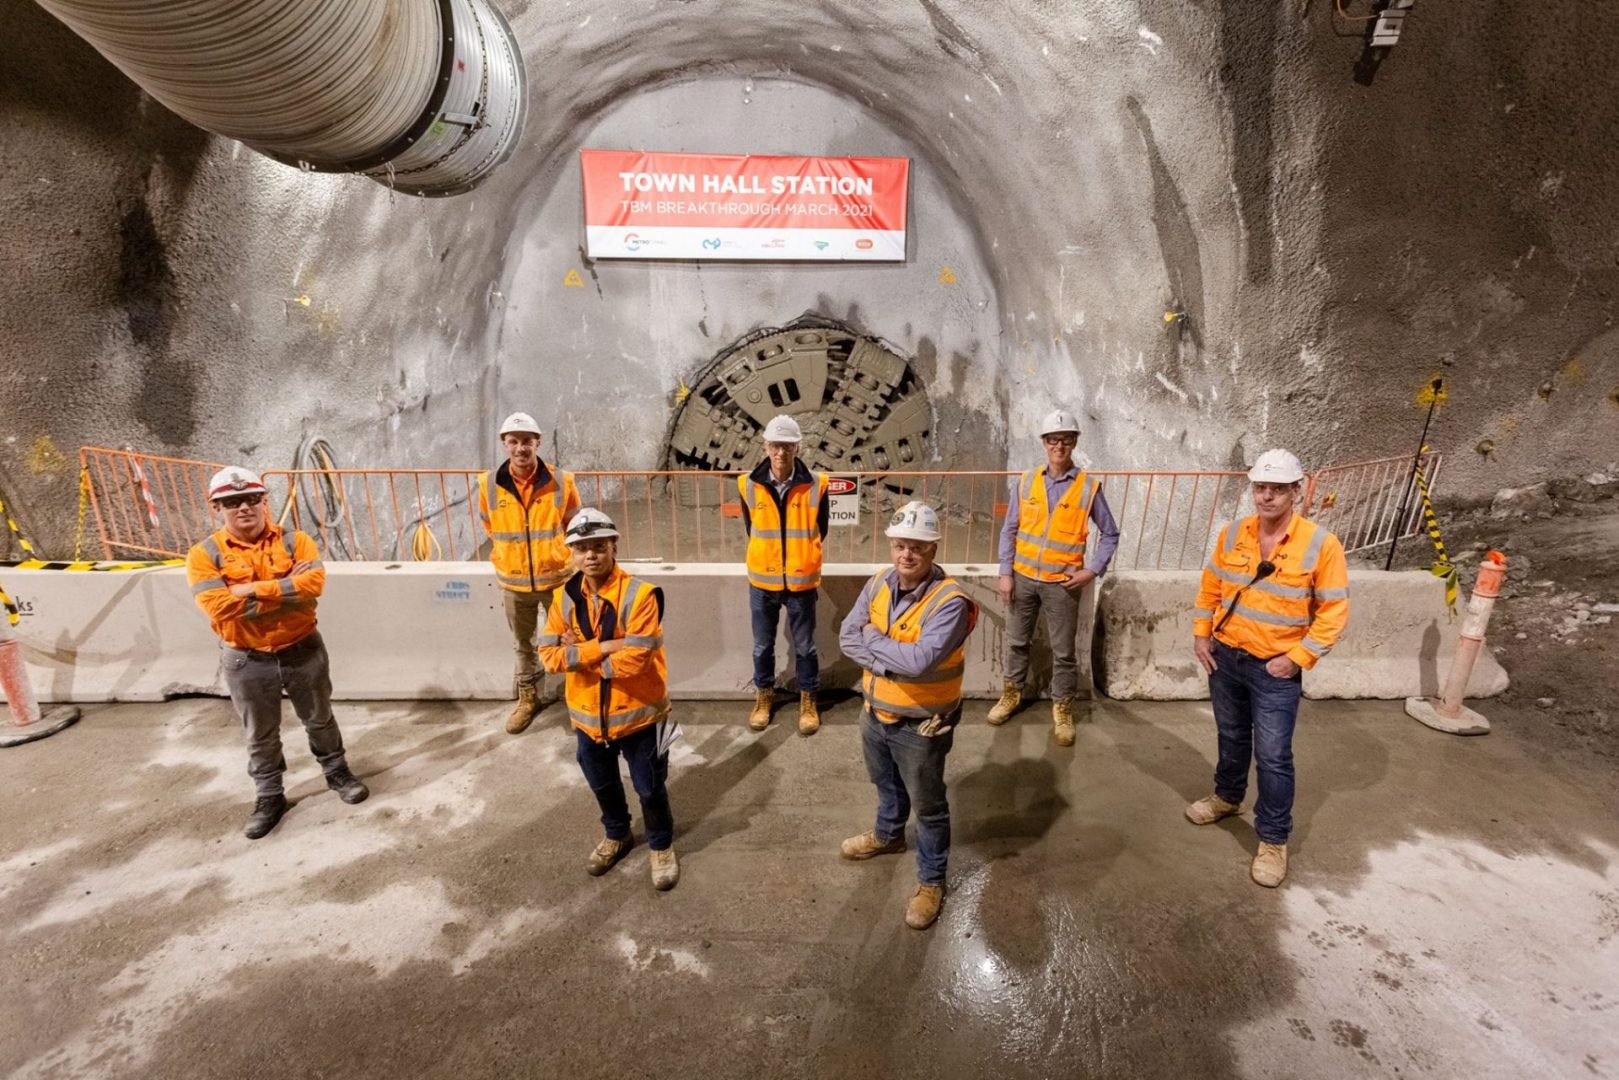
(1453, 908)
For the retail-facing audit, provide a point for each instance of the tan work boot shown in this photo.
(1062, 721)
(924, 906)
(608, 852)
(866, 845)
(1002, 710)
(809, 714)
(1270, 864)
(1209, 809)
(527, 707)
(759, 718)
(665, 869)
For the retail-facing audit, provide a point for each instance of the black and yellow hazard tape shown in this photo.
(1443, 567)
(16, 530)
(88, 564)
(13, 616)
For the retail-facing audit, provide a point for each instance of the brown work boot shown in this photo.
(1002, 710)
(759, 718)
(1062, 721)
(809, 714)
(866, 845)
(608, 852)
(924, 906)
(1270, 864)
(524, 711)
(665, 869)
(1209, 809)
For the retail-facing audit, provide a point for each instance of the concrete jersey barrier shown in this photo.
(1398, 643)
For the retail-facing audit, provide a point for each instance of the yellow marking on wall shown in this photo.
(45, 457)
(1573, 371)
(573, 280)
(1429, 396)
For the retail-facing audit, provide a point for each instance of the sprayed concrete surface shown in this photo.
(1453, 908)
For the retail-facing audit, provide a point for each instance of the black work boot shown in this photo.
(267, 810)
(348, 786)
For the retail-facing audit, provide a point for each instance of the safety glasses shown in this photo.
(231, 502)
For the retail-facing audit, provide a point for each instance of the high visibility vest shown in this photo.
(784, 549)
(220, 561)
(1051, 544)
(603, 701)
(895, 697)
(1298, 611)
(528, 551)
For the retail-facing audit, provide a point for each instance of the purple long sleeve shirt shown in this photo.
(1104, 539)
(880, 654)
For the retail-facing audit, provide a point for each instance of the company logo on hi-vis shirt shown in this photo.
(863, 244)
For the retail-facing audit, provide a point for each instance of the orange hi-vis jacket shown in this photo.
(281, 611)
(1050, 546)
(784, 536)
(1297, 612)
(609, 697)
(937, 692)
(528, 553)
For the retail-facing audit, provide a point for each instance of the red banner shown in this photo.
(730, 206)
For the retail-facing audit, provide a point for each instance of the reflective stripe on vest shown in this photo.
(607, 705)
(931, 693)
(784, 553)
(1050, 544)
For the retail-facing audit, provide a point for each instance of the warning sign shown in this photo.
(845, 496)
(573, 280)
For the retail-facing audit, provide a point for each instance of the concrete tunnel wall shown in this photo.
(1091, 166)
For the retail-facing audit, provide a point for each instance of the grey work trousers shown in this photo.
(256, 680)
(1029, 599)
(523, 616)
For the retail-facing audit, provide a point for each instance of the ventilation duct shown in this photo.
(426, 96)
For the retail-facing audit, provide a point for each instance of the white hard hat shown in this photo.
(1058, 420)
(590, 524)
(234, 480)
(783, 429)
(913, 521)
(1276, 467)
(519, 422)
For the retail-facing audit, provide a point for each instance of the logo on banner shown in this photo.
(775, 242)
(632, 242)
(821, 245)
(712, 243)
(864, 243)
(843, 496)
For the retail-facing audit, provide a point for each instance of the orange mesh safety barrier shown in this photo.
(157, 506)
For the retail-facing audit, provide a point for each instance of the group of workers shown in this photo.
(1273, 599)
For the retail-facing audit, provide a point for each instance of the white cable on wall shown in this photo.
(425, 95)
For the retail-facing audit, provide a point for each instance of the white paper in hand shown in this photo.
(668, 731)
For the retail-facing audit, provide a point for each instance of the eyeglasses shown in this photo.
(231, 502)
(1062, 440)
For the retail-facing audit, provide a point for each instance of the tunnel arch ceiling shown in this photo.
(634, 336)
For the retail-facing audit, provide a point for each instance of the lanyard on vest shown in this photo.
(1266, 569)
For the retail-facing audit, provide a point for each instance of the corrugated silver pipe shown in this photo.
(426, 96)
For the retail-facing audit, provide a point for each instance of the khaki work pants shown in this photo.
(525, 612)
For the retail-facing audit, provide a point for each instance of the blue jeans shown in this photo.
(909, 769)
(1254, 713)
(649, 771)
(766, 605)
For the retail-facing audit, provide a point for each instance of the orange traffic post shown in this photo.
(28, 724)
(1447, 713)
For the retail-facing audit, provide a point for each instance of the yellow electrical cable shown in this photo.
(424, 546)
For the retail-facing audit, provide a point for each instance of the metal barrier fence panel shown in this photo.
(145, 505)
(155, 506)
(1362, 502)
